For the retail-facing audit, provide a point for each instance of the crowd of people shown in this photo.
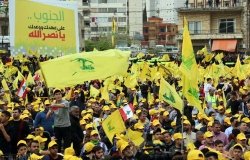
(66, 123)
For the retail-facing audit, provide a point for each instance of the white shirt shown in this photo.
(228, 131)
(207, 86)
(189, 138)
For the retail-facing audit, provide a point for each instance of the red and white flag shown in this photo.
(22, 91)
(127, 111)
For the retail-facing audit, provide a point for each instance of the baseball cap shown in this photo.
(89, 126)
(94, 132)
(246, 120)
(186, 122)
(155, 122)
(173, 123)
(56, 90)
(106, 108)
(82, 122)
(208, 134)
(166, 113)
(88, 146)
(227, 120)
(210, 124)
(124, 145)
(241, 136)
(51, 144)
(177, 136)
(47, 102)
(195, 155)
(22, 142)
(30, 136)
(138, 126)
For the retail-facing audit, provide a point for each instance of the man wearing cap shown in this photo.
(76, 131)
(62, 124)
(188, 135)
(5, 132)
(233, 122)
(53, 152)
(242, 140)
(218, 134)
(177, 144)
(209, 143)
(79, 99)
(42, 120)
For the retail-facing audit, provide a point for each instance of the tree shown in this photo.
(102, 44)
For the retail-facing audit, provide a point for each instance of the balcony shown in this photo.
(212, 34)
(205, 6)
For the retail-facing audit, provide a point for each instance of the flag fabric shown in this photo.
(169, 94)
(94, 92)
(189, 70)
(127, 111)
(70, 70)
(113, 124)
(5, 86)
(135, 137)
(22, 90)
(238, 71)
(30, 79)
(114, 26)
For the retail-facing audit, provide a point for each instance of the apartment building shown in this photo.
(220, 25)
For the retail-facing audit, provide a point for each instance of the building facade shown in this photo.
(135, 17)
(101, 16)
(4, 26)
(166, 9)
(220, 26)
(84, 11)
(155, 32)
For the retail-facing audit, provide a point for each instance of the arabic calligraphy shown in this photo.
(46, 17)
(39, 34)
(46, 27)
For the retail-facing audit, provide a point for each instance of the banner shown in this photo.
(46, 26)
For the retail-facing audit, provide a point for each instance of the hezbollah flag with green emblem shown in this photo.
(168, 94)
(77, 68)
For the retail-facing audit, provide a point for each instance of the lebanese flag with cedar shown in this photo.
(127, 111)
(22, 91)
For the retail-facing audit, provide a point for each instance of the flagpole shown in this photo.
(182, 129)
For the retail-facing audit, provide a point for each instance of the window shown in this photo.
(103, 29)
(226, 26)
(194, 27)
(4, 30)
(121, 29)
(102, 1)
(162, 29)
(94, 29)
(121, 10)
(122, 19)
(112, 10)
(110, 19)
(102, 10)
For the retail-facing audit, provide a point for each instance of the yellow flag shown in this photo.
(189, 70)
(169, 94)
(75, 69)
(30, 80)
(224, 99)
(130, 81)
(20, 76)
(208, 57)
(204, 50)
(219, 57)
(15, 83)
(94, 92)
(135, 137)
(69, 94)
(1, 66)
(104, 93)
(5, 86)
(114, 26)
(238, 71)
(7, 96)
(110, 128)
